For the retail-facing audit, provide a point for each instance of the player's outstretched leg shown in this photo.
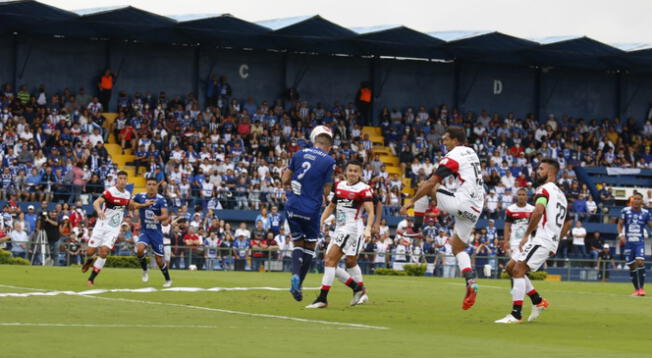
(538, 303)
(162, 265)
(464, 263)
(295, 280)
(517, 270)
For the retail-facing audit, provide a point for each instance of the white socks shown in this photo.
(356, 273)
(329, 276)
(518, 292)
(99, 263)
(463, 261)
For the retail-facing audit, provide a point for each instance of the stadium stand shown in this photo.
(218, 146)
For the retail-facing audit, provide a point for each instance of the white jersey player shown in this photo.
(465, 204)
(549, 221)
(107, 228)
(517, 218)
(350, 197)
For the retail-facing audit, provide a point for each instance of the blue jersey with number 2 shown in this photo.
(312, 169)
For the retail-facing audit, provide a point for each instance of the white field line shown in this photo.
(91, 293)
(122, 325)
(42, 292)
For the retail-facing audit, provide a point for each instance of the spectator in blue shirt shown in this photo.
(240, 252)
(264, 218)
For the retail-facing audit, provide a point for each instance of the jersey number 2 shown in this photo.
(305, 166)
(561, 215)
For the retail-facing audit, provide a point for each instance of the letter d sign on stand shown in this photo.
(498, 87)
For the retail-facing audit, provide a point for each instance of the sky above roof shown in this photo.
(599, 19)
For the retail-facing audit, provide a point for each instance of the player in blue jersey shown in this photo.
(151, 233)
(631, 226)
(310, 176)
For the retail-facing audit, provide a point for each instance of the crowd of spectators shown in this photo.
(229, 154)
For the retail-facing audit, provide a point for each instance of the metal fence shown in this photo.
(264, 260)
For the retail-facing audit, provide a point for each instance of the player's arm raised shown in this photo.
(446, 168)
(97, 205)
(369, 208)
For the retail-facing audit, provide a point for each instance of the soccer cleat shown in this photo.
(509, 319)
(537, 309)
(87, 265)
(295, 288)
(363, 299)
(636, 293)
(167, 284)
(145, 276)
(318, 304)
(471, 293)
(359, 297)
(90, 283)
(641, 292)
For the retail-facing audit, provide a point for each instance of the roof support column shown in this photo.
(195, 72)
(372, 78)
(618, 109)
(536, 110)
(14, 62)
(457, 74)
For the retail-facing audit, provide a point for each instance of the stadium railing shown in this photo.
(437, 265)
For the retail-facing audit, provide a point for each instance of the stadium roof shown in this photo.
(314, 34)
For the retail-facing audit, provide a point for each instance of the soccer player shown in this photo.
(109, 218)
(349, 198)
(310, 176)
(517, 217)
(549, 221)
(630, 231)
(151, 231)
(465, 204)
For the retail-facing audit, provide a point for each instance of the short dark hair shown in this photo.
(456, 133)
(324, 139)
(552, 162)
(151, 178)
(354, 162)
(122, 172)
(637, 193)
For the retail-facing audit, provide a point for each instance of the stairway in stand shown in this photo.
(115, 150)
(390, 160)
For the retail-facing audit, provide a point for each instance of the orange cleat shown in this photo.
(89, 283)
(641, 292)
(471, 293)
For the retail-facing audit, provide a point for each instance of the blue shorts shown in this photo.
(153, 239)
(303, 227)
(634, 250)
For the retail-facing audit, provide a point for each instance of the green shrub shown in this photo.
(123, 261)
(6, 259)
(539, 275)
(415, 270)
(389, 272)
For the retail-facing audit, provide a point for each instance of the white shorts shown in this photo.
(104, 235)
(533, 255)
(514, 251)
(421, 205)
(350, 242)
(466, 213)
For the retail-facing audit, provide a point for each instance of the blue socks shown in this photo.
(297, 258)
(641, 277)
(306, 262)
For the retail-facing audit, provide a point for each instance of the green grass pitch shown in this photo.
(422, 317)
